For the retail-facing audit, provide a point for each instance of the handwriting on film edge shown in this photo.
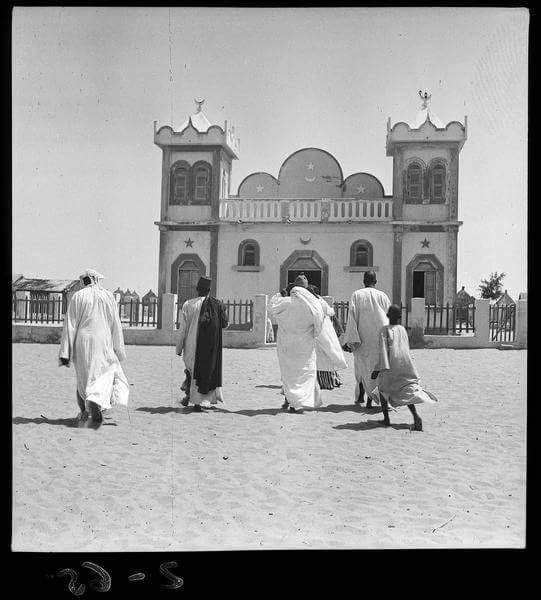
(103, 583)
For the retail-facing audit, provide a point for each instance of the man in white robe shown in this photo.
(300, 319)
(92, 340)
(202, 354)
(367, 315)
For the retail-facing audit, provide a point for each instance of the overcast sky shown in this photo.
(89, 82)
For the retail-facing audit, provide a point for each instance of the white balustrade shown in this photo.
(304, 210)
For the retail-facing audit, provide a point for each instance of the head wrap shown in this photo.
(301, 294)
(92, 274)
(204, 284)
(301, 281)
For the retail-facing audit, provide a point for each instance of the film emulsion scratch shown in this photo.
(269, 286)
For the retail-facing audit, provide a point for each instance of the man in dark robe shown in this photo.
(200, 342)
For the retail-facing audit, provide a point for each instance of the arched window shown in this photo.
(201, 177)
(437, 183)
(361, 254)
(224, 186)
(180, 173)
(248, 254)
(414, 183)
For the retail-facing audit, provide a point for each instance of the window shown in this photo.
(201, 181)
(361, 254)
(179, 183)
(437, 183)
(414, 183)
(248, 254)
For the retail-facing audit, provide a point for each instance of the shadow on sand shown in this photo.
(366, 425)
(159, 410)
(270, 387)
(46, 421)
(253, 412)
(336, 408)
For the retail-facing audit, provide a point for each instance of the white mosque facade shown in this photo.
(310, 216)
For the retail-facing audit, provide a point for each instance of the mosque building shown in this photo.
(311, 217)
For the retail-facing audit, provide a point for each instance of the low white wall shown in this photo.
(256, 337)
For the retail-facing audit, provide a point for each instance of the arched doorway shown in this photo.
(185, 273)
(424, 279)
(311, 264)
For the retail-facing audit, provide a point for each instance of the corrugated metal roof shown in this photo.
(44, 285)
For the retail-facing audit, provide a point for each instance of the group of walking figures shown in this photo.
(310, 347)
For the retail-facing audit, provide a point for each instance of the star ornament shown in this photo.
(425, 243)
(259, 188)
(310, 166)
(189, 243)
(361, 189)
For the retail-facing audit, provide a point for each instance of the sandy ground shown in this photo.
(249, 476)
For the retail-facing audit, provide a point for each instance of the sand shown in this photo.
(249, 476)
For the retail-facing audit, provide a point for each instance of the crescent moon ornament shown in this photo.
(310, 179)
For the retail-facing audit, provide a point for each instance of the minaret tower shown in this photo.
(196, 171)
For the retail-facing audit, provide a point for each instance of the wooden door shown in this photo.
(188, 276)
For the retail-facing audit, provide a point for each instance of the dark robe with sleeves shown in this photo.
(208, 353)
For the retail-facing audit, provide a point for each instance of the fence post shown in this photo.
(417, 321)
(168, 312)
(259, 317)
(521, 324)
(482, 322)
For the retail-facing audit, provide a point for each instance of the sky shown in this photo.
(88, 83)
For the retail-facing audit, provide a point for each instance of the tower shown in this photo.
(425, 199)
(196, 171)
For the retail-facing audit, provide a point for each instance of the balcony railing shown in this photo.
(311, 209)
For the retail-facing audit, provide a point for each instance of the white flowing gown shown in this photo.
(367, 315)
(300, 320)
(92, 340)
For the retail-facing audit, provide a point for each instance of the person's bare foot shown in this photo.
(185, 401)
(285, 405)
(417, 424)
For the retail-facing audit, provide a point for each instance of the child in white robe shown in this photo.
(398, 377)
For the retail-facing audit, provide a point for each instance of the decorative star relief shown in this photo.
(259, 189)
(310, 166)
(189, 243)
(361, 189)
(425, 243)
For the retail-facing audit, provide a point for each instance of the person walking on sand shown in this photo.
(92, 340)
(329, 354)
(367, 314)
(300, 320)
(398, 379)
(200, 344)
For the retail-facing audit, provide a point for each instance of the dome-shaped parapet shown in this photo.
(363, 186)
(258, 185)
(310, 173)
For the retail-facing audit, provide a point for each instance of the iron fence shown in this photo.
(341, 311)
(450, 319)
(502, 323)
(239, 314)
(38, 310)
(138, 313)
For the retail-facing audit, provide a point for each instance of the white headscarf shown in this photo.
(303, 295)
(93, 275)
